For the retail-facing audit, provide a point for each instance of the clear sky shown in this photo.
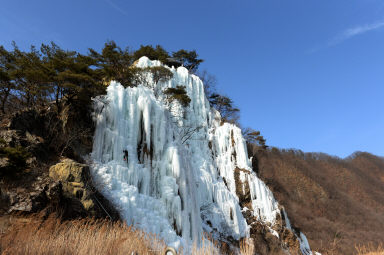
(308, 74)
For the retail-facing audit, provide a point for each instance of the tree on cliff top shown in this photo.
(113, 63)
(229, 113)
(7, 68)
(189, 59)
(153, 53)
(40, 76)
(179, 94)
(253, 137)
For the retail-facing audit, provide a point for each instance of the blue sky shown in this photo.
(307, 74)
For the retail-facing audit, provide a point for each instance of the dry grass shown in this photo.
(370, 249)
(246, 247)
(206, 248)
(33, 235)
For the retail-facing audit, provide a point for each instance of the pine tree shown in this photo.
(113, 64)
(157, 53)
(253, 137)
(30, 76)
(179, 93)
(70, 74)
(189, 59)
(7, 67)
(225, 106)
(160, 73)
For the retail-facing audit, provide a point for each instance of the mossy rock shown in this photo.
(69, 171)
(76, 185)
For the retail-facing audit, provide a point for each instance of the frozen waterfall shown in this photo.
(178, 180)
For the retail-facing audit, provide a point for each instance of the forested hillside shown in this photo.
(338, 203)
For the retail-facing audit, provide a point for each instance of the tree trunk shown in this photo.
(4, 100)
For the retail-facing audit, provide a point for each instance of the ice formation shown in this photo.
(179, 177)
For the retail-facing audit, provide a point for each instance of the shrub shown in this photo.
(160, 73)
(17, 157)
(179, 93)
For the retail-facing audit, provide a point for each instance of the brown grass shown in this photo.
(370, 249)
(21, 235)
(32, 235)
(247, 247)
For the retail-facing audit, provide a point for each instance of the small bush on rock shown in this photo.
(179, 93)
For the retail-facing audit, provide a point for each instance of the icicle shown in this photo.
(173, 184)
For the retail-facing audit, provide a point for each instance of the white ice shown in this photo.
(179, 177)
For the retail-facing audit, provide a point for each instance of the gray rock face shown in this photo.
(68, 190)
(30, 142)
(32, 200)
(4, 162)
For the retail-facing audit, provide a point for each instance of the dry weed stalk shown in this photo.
(33, 235)
(247, 247)
(370, 249)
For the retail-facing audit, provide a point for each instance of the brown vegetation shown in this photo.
(33, 235)
(370, 249)
(337, 203)
(38, 235)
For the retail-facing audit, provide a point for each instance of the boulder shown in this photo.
(80, 196)
(70, 171)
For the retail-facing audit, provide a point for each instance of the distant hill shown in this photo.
(338, 203)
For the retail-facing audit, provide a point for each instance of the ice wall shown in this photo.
(179, 177)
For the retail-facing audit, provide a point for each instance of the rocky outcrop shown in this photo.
(47, 134)
(67, 191)
(78, 190)
(32, 200)
(30, 141)
(268, 239)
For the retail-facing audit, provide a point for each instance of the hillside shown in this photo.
(338, 203)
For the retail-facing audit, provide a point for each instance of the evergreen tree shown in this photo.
(189, 59)
(179, 93)
(253, 137)
(7, 68)
(225, 106)
(160, 73)
(36, 77)
(30, 76)
(157, 53)
(69, 74)
(113, 64)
